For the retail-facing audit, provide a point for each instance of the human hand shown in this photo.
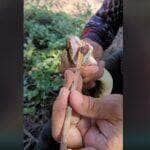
(60, 108)
(97, 53)
(90, 73)
(100, 124)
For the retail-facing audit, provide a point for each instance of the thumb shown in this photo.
(108, 107)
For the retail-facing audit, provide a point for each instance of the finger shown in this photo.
(85, 68)
(84, 125)
(68, 78)
(109, 129)
(58, 113)
(111, 107)
(93, 138)
(113, 133)
(79, 82)
(108, 107)
(89, 70)
(84, 105)
(97, 49)
(92, 72)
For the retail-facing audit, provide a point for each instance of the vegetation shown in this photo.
(45, 34)
(45, 37)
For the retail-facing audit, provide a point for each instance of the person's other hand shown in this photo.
(97, 53)
(97, 49)
(90, 73)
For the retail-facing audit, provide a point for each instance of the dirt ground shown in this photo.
(69, 6)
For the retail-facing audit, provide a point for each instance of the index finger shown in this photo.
(58, 113)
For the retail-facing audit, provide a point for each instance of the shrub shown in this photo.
(45, 38)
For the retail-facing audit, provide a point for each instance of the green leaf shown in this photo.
(29, 111)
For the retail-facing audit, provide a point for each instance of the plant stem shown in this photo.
(67, 121)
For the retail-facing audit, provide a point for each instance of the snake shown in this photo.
(72, 48)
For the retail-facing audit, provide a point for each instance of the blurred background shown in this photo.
(47, 24)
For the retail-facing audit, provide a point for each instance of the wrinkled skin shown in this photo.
(101, 121)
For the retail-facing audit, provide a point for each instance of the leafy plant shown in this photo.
(44, 74)
(45, 38)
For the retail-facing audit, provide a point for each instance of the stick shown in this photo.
(67, 121)
(26, 132)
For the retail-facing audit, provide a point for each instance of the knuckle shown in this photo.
(92, 107)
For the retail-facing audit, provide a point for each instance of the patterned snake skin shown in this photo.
(103, 26)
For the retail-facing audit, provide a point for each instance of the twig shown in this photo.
(30, 135)
(67, 122)
(28, 145)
